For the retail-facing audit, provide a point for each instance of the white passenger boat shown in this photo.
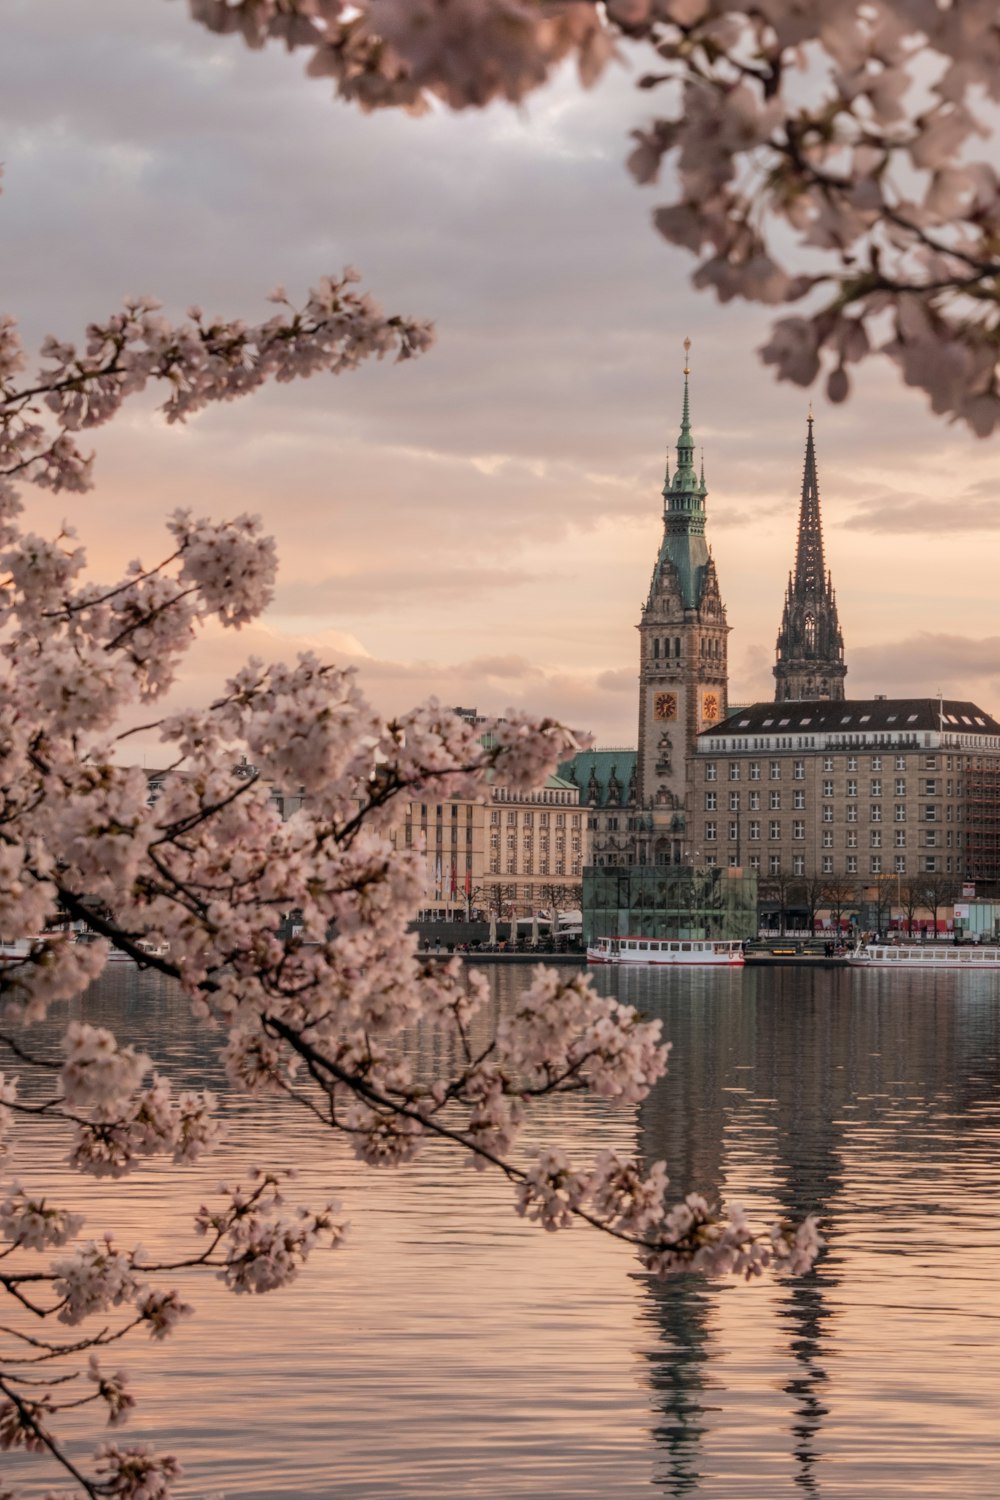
(942, 957)
(679, 952)
(16, 950)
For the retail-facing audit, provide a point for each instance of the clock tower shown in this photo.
(683, 674)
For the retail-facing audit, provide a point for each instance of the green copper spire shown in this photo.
(685, 443)
(684, 493)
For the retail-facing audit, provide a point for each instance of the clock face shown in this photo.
(710, 707)
(665, 706)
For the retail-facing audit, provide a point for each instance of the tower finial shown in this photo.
(687, 356)
(810, 417)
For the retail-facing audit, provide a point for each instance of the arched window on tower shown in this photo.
(656, 649)
(677, 645)
(810, 631)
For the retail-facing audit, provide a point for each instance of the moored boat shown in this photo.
(676, 952)
(943, 958)
(16, 950)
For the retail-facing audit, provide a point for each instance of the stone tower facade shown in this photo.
(810, 650)
(683, 675)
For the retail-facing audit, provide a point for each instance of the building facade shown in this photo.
(809, 660)
(860, 788)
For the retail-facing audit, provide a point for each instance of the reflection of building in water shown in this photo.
(808, 1114)
(683, 1122)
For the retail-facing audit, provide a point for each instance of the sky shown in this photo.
(479, 524)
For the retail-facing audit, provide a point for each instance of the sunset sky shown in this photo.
(479, 524)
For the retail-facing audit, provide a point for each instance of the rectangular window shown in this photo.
(711, 771)
(876, 762)
(828, 763)
(827, 813)
(755, 801)
(734, 770)
(852, 789)
(930, 863)
(876, 788)
(755, 830)
(755, 861)
(876, 813)
(900, 813)
(774, 829)
(775, 770)
(930, 763)
(798, 799)
(774, 801)
(828, 788)
(560, 820)
(852, 864)
(876, 864)
(755, 770)
(852, 838)
(798, 829)
(876, 838)
(798, 864)
(774, 864)
(734, 831)
(798, 770)
(900, 762)
(827, 838)
(710, 830)
(711, 801)
(495, 816)
(930, 789)
(511, 819)
(574, 820)
(930, 814)
(930, 838)
(827, 864)
(900, 838)
(734, 801)
(900, 864)
(900, 787)
(852, 814)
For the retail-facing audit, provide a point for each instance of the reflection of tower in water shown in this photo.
(683, 1122)
(808, 1143)
(717, 1028)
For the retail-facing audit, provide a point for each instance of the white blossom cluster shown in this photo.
(822, 150)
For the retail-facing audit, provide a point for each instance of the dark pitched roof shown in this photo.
(857, 716)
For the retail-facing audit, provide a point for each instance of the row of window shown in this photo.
(753, 833)
(929, 813)
(528, 819)
(930, 864)
(754, 767)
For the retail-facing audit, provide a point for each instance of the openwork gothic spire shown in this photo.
(810, 650)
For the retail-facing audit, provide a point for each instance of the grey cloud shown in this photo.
(618, 680)
(924, 514)
(391, 588)
(923, 663)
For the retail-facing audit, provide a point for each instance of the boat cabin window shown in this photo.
(685, 947)
(643, 947)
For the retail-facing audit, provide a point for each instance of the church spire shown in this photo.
(810, 649)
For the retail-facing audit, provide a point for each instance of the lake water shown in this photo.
(451, 1350)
